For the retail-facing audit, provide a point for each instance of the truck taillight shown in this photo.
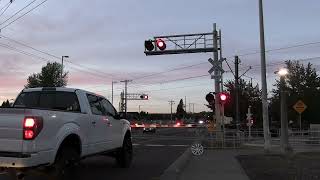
(32, 127)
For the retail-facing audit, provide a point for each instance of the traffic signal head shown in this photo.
(149, 45)
(223, 97)
(144, 97)
(161, 44)
(210, 98)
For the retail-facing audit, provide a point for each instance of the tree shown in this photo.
(180, 111)
(302, 83)
(5, 104)
(50, 76)
(248, 96)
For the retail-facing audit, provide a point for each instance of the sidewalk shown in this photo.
(215, 164)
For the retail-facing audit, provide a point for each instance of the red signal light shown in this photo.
(149, 45)
(223, 97)
(161, 44)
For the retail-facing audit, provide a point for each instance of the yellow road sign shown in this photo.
(300, 106)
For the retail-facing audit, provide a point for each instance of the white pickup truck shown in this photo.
(53, 128)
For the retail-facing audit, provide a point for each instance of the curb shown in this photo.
(175, 169)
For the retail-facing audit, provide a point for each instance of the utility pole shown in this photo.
(236, 89)
(171, 103)
(62, 58)
(126, 95)
(217, 77)
(221, 58)
(266, 132)
(191, 105)
(284, 140)
(185, 103)
(113, 82)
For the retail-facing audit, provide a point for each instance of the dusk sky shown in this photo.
(104, 39)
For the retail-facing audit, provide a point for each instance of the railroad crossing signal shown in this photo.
(216, 66)
(223, 97)
(144, 97)
(180, 44)
(300, 107)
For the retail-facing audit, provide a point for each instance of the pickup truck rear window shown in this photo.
(50, 100)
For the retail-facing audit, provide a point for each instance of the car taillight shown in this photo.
(32, 127)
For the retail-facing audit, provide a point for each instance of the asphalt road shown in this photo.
(152, 155)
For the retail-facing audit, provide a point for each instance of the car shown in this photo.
(139, 125)
(150, 129)
(51, 129)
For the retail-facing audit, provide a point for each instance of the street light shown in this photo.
(284, 140)
(62, 67)
(282, 72)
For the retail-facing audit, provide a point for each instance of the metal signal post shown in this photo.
(193, 43)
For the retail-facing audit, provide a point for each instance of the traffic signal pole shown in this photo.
(217, 79)
(236, 90)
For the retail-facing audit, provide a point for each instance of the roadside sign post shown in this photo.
(300, 107)
(249, 123)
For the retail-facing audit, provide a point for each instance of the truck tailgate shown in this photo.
(11, 126)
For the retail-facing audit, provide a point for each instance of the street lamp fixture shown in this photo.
(284, 139)
(283, 72)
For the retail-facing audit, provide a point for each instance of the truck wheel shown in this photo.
(64, 165)
(125, 154)
(14, 176)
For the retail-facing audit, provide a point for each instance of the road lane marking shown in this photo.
(134, 144)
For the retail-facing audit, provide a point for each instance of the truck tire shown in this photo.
(14, 176)
(125, 153)
(64, 166)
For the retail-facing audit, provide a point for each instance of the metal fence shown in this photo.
(298, 140)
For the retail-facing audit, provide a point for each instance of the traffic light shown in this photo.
(223, 97)
(161, 44)
(149, 45)
(210, 98)
(144, 97)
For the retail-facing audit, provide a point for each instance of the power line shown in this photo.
(6, 7)
(18, 12)
(22, 14)
(43, 59)
(241, 55)
(95, 71)
(28, 46)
